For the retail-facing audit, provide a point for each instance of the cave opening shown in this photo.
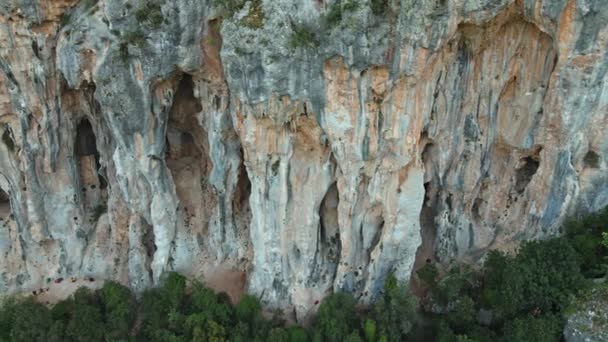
(187, 157)
(523, 174)
(591, 160)
(330, 245)
(92, 184)
(240, 202)
(5, 205)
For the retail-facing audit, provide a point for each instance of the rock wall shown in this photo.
(299, 146)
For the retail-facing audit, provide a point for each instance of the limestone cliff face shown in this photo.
(289, 150)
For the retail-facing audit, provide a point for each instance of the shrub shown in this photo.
(249, 315)
(119, 310)
(278, 335)
(297, 334)
(7, 316)
(428, 274)
(546, 328)
(86, 320)
(155, 307)
(543, 276)
(31, 321)
(205, 305)
(303, 36)
(457, 279)
(586, 237)
(255, 17)
(395, 311)
(150, 13)
(379, 7)
(227, 8)
(175, 288)
(462, 316)
(337, 10)
(336, 318)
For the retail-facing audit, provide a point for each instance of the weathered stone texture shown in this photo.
(437, 129)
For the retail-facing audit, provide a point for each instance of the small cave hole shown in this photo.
(8, 140)
(329, 244)
(148, 240)
(85, 148)
(5, 205)
(592, 160)
(524, 174)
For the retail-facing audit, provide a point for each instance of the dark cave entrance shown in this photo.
(329, 243)
(92, 185)
(186, 155)
(524, 173)
(5, 205)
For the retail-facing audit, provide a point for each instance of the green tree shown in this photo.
(57, 332)
(7, 316)
(336, 318)
(32, 321)
(278, 335)
(175, 287)
(86, 324)
(370, 330)
(395, 311)
(546, 328)
(543, 276)
(428, 274)
(353, 337)
(462, 315)
(249, 315)
(297, 334)
(207, 305)
(155, 307)
(119, 310)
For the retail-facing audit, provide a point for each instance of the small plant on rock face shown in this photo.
(255, 17)
(337, 10)
(303, 36)
(379, 7)
(228, 8)
(135, 38)
(150, 13)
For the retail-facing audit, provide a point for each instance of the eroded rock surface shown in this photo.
(296, 152)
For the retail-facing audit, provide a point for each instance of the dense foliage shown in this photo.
(513, 298)
(522, 297)
(179, 311)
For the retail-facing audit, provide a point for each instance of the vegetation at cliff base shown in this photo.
(184, 311)
(522, 297)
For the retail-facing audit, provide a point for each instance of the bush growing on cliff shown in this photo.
(303, 36)
(379, 7)
(337, 10)
(150, 13)
(228, 8)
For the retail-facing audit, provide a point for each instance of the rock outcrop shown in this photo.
(306, 146)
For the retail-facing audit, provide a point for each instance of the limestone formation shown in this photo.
(299, 146)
